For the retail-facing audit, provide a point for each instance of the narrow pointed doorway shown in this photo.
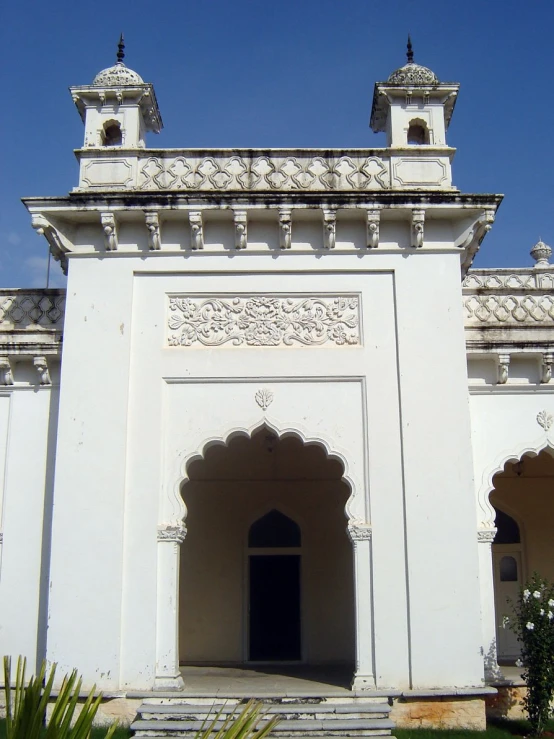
(274, 560)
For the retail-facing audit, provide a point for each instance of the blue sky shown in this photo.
(292, 73)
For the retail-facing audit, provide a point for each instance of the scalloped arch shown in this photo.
(487, 510)
(281, 433)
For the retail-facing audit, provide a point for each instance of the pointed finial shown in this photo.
(409, 52)
(121, 50)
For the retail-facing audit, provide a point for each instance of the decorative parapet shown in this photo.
(31, 323)
(32, 308)
(518, 298)
(510, 312)
(282, 170)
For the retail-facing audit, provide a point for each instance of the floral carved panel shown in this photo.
(259, 320)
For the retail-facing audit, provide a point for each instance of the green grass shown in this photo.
(496, 729)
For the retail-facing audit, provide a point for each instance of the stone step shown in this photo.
(305, 708)
(293, 728)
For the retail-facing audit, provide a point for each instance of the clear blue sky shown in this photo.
(292, 73)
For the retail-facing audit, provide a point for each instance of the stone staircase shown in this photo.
(299, 717)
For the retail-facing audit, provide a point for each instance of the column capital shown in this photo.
(172, 532)
(359, 531)
(486, 536)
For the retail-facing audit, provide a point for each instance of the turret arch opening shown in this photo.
(112, 134)
(523, 501)
(418, 132)
(267, 566)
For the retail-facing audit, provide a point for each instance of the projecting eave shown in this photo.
(385, 92)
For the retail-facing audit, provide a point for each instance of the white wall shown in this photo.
(28, 416)
(394, 408)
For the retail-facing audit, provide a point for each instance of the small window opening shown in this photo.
(274, 530)
(508, 569)
(112, 134)
(418, 134)
(507, 530)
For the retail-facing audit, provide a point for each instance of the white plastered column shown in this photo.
(360, 536)
(168, 674)
(485, 537)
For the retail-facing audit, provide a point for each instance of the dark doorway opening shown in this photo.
(274, 607)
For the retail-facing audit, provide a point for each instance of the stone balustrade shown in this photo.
(273, 170)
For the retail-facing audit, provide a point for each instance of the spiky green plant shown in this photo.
(26, 708)
(244, 725)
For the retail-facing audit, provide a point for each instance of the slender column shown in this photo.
(360, 535)
(485, 538)
(168, 675)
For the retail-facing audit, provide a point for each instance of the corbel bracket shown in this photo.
(196, 230)
(373, 224)
(329, 228)
(503, 368)
(470, 245)
(41, 366)
(6, 372)
(285, 229)
(153, 226)
(546, 366)
(241, 229)
(109, 227)
(59, 246)
(418, 228)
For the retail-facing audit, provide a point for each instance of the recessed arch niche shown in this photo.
(523, 500)
(281, 491)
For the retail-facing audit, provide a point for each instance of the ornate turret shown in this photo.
(119, 108)
(413, 107)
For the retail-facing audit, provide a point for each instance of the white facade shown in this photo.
(314, 303)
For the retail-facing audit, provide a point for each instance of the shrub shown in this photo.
(534, 627)
(26, 708)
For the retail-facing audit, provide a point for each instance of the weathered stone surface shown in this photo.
(440, 713)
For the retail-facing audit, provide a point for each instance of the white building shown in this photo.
(286, 408)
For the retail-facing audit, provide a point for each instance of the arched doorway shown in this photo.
(267, 543)
(523, 498)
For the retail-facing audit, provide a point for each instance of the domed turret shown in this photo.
(412, 73)
(119, 74)
(413, 107)
(118, 108)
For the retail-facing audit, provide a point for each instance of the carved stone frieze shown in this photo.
(196, 230)
(172, 533)
(110, 230)
(259, 320)
(153, 227)
(273, 172)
